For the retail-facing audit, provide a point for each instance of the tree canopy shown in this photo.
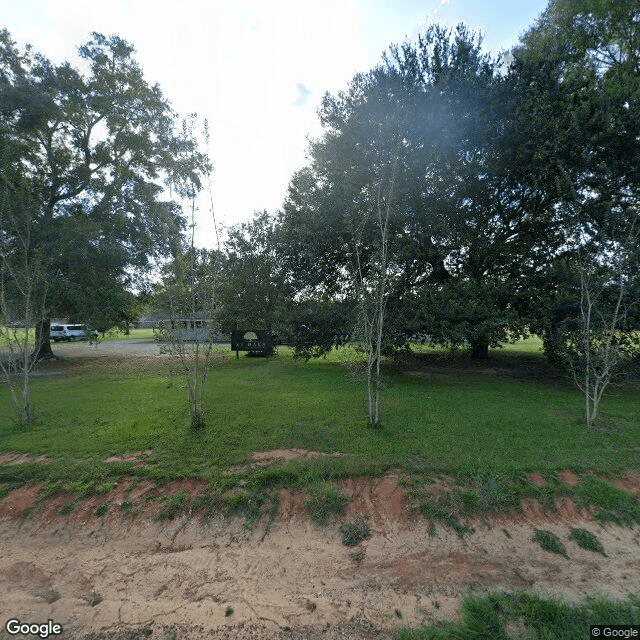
(100, 150)
(503, 169)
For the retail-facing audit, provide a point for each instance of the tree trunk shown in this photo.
(479, 350)
(42, 349)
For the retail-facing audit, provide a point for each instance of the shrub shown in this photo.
(354, 532)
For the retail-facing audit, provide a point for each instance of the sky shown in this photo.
(256, 69)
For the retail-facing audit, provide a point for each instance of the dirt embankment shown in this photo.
(124, 574)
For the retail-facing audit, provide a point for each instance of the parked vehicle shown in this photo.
(69, 332)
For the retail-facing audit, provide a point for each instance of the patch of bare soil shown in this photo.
(285, 454)
(137, 457)
(266, 458)
(11, 458)
(124, 574)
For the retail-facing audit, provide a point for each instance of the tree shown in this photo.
(585, 57)
(252, 290)
(22, 281)
(467, 228)
(100, 149)
(187, 298)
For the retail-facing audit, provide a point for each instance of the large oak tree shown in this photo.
(100, 146)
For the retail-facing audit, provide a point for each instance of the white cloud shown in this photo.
(257, 70)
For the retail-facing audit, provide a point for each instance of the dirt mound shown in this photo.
(124, 572)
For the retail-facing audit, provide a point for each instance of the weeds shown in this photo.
(128, 509)
(67, 508)
(106, 487)
(101, 510)
(210, 502)
(250, 505)
(495, 615)
(614, 505)
(445, 514)
(324, 500)
(174, 506)
(586, 540)
(50, 489)
(549, 542)
(496, 494)
(81, 488)
(6, 489)
(354, 531)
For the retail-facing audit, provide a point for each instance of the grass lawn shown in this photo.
(483, 424)
(440, 413)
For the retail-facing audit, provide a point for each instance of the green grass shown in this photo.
(549, 542)
(101, 510)
(586, 540)
(112, 334)
(251, 505)
(614, 505)
(440, 414)
(520, 615)
(174, 506)
(325, 500)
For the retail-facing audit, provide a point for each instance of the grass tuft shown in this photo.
(444, 512)
(614, 505)
(174, 506)
(549, 542)
(496, 615)
(101, 510)
(128, 509)
(353, 532)
(67, 508)
(586, 540)
(252, 504)
(324, 500)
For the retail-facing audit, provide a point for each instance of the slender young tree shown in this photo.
(372, 296)
(580, 66)
(23, 289)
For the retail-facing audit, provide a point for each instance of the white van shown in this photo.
(69, 332)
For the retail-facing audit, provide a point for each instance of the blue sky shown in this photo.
(256, 69)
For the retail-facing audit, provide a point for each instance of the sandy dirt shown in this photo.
(133, 577)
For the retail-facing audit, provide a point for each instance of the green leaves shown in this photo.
(96, 147)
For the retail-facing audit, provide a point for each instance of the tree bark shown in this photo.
(42, 349)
